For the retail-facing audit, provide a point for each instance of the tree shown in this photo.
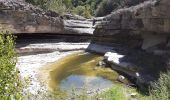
(106, 7)
(90, 7)
(41, 3)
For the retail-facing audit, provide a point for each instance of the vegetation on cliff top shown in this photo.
(86, 8)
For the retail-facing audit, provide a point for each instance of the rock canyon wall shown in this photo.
(144, 25)
(19, 17)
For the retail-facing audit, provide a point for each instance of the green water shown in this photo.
(79, 71)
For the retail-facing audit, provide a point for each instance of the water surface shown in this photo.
(79, 71)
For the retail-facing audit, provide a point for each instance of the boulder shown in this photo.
(141, 66)
(101, 64)
(115, 59)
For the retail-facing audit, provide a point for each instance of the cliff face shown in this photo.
(142, 26)
(19, 17)
(146, 24)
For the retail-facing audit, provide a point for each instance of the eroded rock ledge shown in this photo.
(144, 25)
(19, 17)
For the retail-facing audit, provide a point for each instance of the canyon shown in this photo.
(140, 33)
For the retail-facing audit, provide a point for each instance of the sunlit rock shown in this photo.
(140, 26)
(113, 57)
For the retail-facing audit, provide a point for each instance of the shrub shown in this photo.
(57, 6)
(161, 90)
(82, 11)
(10, 86)
(84, 8)
(107, 6)
(40, 3)
(79, 10)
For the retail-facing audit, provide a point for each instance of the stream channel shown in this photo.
(59, 64)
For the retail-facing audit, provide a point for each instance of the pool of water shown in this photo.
(90, 84)
(79, 71)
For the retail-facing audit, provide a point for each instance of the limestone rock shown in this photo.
(133, 95)
(113, 57)
(101, 64)
(130, 26)
(121, 79)
(73, 17)
(19, 17)
(73, 26)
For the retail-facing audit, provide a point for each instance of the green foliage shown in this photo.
(161, 90)
(68, 4)
(79, 10)
(116, 93)
(83, 11)
(41, 3)
(9, 79)
(120, 92)
(57, 6)
(90, 7)
(84, 8)
(107, 6)
(87, 9)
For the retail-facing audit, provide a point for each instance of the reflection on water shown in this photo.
(79, 82)
(78, 71)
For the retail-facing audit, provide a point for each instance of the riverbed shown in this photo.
(53, 65)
